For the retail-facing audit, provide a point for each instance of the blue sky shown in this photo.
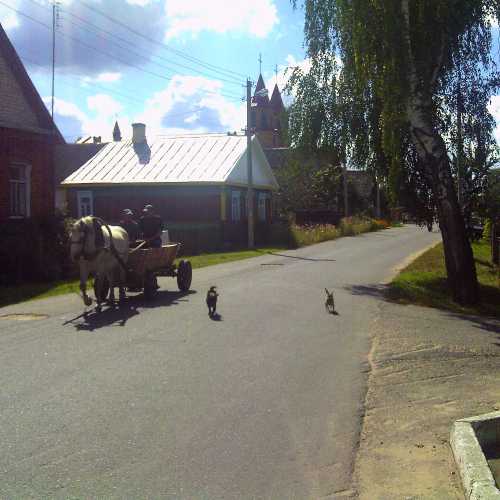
(176, 65)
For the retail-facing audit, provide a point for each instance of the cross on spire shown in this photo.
(276, 73)
(260, 63)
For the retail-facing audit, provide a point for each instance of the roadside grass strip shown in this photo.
(34, 291)
(423, 282)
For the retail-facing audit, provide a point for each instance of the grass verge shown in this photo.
(34, 291)
(424, 282)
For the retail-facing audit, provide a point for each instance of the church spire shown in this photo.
(117, 135)
(276, 101)
(262, 100)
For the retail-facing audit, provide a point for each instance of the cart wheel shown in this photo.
(150, 286)
(101, 288)
(184, 275)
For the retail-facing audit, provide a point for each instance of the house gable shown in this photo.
(22, 107)
(262, 174)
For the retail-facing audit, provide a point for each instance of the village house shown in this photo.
(197, 184)
(28, 137)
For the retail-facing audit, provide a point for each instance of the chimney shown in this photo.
(138, 133)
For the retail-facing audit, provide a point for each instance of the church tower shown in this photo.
(266, 116)
(117, 135)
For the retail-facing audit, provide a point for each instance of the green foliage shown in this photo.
(355, 98)
(308, 181)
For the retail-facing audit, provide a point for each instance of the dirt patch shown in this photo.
(428, 369)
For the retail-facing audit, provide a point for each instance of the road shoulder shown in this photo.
(428, 369)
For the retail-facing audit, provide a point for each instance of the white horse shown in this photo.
(101, 251)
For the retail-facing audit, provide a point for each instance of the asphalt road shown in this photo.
(158, 401)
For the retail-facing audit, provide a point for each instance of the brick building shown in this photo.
(28, 137)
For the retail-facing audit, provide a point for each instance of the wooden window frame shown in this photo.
(27, 190)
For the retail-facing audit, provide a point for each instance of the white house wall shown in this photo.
(262, 173)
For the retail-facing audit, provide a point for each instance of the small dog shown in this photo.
(212, 300)
(330, 302)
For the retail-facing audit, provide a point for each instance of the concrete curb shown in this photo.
(406, 262)
(467, 436)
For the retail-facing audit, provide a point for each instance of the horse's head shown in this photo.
(82, 239)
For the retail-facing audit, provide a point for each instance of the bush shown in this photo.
(34, 249)
(308, 235)
(302, 235)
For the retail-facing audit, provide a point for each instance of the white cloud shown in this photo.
(493, 21)
(103, 78)
(182, 107)
(8, 17)
(255, 17)
(188, 105)
(104, 105)
(140, 3)
(65, 108)
(97, 121)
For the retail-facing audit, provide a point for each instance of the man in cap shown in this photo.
(151, 226)
(130, 225)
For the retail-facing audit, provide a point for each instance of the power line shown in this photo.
(135, 66)
(101, 52)
(85, 83)
(156, 42)
(169, 61)
(112, 35)
(188, 112)
(211, 67)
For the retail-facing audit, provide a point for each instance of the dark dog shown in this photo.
(212, 301)
(330, 302)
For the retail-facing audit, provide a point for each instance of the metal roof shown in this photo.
(208, 158)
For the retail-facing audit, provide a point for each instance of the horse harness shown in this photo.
(99, 242)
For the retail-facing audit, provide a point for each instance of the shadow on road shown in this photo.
(118, 315)
(216, 317)
(300, 258)
(485, 323)
(378, 291)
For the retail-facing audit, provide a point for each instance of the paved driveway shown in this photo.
(159, 401)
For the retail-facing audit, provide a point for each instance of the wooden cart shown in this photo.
(145, 265)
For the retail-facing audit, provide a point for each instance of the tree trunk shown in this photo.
(431, 150)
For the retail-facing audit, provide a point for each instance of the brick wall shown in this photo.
(15, 109)
(35, 150)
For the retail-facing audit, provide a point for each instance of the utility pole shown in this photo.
(55, 16)
(344, 177)
(251, 242)
(378, 197)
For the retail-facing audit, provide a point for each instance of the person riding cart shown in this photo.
(151, 227)
(130, 225)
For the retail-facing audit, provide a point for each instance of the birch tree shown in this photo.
(402, 58)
